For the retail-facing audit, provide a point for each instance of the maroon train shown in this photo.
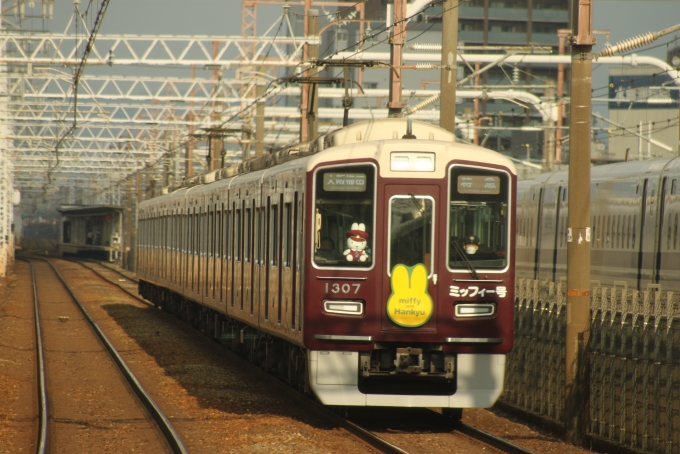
(371, 269)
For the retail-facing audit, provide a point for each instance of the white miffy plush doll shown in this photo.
(357, 240)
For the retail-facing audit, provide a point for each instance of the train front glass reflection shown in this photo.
(343, 209)
(478, 219)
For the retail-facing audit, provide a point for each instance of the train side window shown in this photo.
(274, 235)
(210, 232)
(237, 236)
(668, 239)
(674, 186)
(263, 235)
(343, 196)
(608, 229)
(220, 239)
(247, 234)
(675, 235)
(286, 234)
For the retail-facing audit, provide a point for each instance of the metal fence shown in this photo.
(634, 363)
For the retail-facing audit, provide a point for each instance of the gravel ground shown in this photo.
(214, 405)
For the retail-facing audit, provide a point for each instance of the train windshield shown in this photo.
(343, 216)
(411, 221)
(478, 219)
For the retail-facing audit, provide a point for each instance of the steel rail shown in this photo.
(488, 438)
(163, 422)
(359, 432)
(493, 440)
(40, 357)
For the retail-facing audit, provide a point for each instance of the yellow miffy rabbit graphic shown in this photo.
(409, 305)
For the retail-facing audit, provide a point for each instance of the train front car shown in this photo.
(409, 281)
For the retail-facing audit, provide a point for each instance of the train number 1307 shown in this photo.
(343, 288)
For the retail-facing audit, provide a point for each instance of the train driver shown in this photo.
(471, 244)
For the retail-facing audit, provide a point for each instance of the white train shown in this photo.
(635, 217)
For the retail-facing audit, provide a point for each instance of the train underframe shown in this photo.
(391, 375)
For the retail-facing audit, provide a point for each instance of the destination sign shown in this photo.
(479, 184)
(344, 182)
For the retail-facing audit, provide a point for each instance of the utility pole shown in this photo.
(304, 96)
(397, 40)
(578, 223)
(447, 104)
(313, 88)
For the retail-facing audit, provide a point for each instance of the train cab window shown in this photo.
(344, 199)
(478, 219)
(411, 221)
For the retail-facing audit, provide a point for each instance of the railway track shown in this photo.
(77, 375)
(357, 428)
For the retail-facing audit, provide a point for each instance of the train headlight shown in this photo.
(412, 162)
(475, 310)
(343, 307)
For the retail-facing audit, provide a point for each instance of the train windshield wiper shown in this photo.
(465, 260)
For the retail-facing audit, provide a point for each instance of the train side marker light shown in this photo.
(475, 310)
(343, 307)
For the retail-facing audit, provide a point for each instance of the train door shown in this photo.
(647, 234)
(409, 291)
(210, 251)
(274, 256)
(249, 258)
(237, 284)
(560, 251)
(258, 255)
(287, 282)
(659, 229)
(669, 269)
(539, 232)
(247, 278)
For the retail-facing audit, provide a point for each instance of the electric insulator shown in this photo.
(426, 47)
(426, 66)
(628, 44)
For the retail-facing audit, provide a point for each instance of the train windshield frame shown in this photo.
(478, 219)
(344, 195)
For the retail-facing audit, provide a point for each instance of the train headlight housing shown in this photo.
(412, 162)
(343, 307)
(475, 310)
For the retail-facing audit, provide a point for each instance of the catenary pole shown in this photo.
(578, 223)
(447, 104)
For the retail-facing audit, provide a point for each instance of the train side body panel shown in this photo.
(635, 211)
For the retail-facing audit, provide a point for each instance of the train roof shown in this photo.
(386, 129)
(618, 170)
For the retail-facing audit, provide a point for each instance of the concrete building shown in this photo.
(644, 115)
